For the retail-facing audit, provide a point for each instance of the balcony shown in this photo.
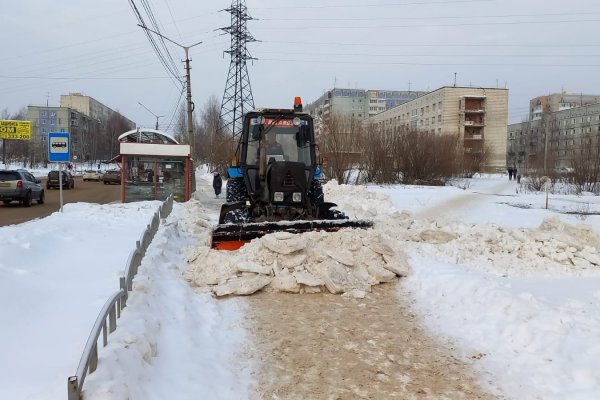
(474, 137)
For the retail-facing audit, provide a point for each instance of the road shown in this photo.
(89, 192)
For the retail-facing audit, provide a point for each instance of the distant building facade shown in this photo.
(478, 115)
(82, 116)
(89, 106)
(549, 141)
(45, 119)
(357, 103)
(558, 102)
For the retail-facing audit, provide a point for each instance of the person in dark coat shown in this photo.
(217, 183)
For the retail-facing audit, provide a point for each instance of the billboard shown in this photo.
(20, 130)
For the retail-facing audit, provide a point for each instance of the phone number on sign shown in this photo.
(20, 136)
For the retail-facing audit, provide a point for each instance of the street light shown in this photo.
(157, 116)
(190, 104)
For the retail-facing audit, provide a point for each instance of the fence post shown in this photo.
(73, 388)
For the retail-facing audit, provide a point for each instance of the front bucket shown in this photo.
(234, 236)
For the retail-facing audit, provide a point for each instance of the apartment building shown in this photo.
(357, 103)
(88, 106)
(559, 101)
(550, 141)
(478, 115)
(88, 134)
(45, 119)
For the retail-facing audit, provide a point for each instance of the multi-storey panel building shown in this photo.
(478, 115)
(541, 105)
(549, 141)
(45, 119)
(357, 103)
(86, 123)
(89, 106)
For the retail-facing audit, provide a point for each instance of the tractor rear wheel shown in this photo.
(235, 190)
(315, 193)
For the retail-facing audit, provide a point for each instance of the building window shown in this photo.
(440, 118)
(43, 113)
(43, 122)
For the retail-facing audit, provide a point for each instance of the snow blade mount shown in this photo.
(234, 236)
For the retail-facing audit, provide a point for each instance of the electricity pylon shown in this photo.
(237, 97)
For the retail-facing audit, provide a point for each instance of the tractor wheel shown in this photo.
(236, 217)
(337, 214)
(315, 193)
(235, 190)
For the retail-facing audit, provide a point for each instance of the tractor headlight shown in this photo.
(278, 196)
(297, 197)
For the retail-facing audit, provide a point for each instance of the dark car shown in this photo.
(21, 186)
(68, 182)
(112, 176)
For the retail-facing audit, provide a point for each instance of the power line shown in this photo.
(427, 55)
(429, 18)
(296, 7)
(438, 25)
(171, 70)
(430, 64)
(86, 78)
(431, 45)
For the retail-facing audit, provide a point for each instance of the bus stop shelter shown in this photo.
(154, 166)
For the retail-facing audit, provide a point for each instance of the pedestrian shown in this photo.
(518, 178)
(217, 183)
(510, 173)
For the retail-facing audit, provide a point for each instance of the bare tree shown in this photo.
(425, 156)
(340, 144)
(216, 144)
(379, 161)
(115, 126)
(586, 165)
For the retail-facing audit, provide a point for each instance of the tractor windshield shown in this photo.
(286, 140)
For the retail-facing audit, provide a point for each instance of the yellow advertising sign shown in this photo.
(20, 130)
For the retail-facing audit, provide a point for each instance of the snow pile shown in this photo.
(555, 248)
(349, 261)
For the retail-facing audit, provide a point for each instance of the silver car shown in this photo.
(21, 186)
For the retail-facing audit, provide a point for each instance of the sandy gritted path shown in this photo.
(464, 201)
(325, 346)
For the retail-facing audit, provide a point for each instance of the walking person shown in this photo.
(217, 183)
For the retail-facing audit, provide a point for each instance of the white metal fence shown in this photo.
(106, 322)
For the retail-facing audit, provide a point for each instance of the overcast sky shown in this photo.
(533, 47)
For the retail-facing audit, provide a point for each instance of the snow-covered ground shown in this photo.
(512, 285)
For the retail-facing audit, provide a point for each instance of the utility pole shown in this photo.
(190, 103)
(157, 116)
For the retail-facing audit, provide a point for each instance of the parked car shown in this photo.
(91, 175)
(21, 186)
(68, 182)
(112, 176)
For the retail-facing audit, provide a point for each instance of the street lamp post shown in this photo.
(157, 116)
(190, 104)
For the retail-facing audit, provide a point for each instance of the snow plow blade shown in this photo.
(234, 236)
